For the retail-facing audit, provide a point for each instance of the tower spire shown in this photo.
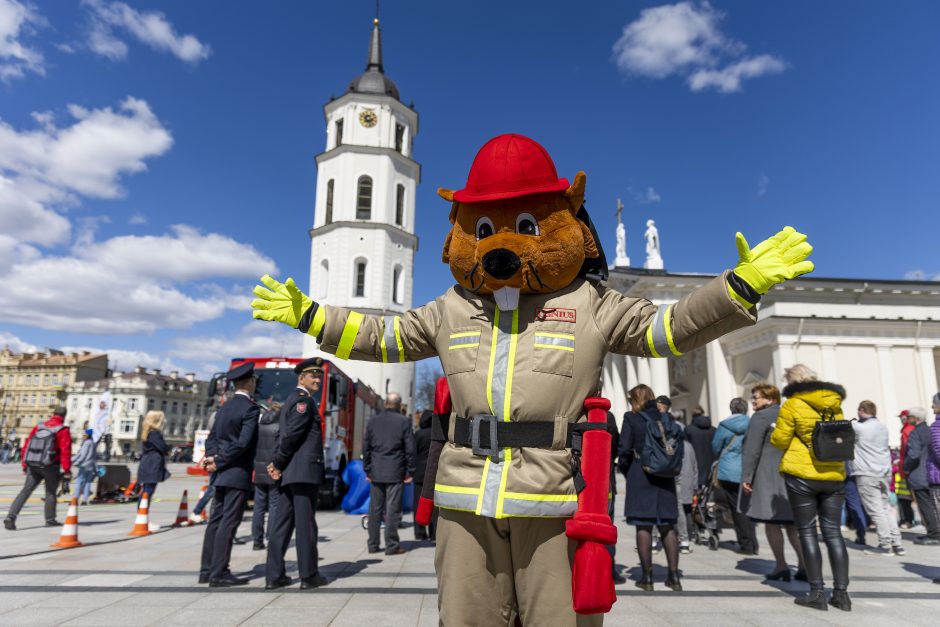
(375, 46)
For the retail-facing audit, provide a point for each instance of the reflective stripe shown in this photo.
(401, 349)
(348, 338)
(389, 346)
(499, 396)
(455, 500)
(540, 508)
(464, 340)
(319, 319)
(659, 333)
(554, 340)
(735, 296)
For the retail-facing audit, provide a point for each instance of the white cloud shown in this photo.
(920, 275)
(130, 284)
(256, 338)
(15, 344)
(16, 59)
(137, 218)
(150, 28)
(728, 79)
(45, 170)
(649, 196)
(762, 184)
(122, 360)
(685, 39)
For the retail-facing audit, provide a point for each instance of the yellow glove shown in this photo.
(282, 302)
(774, 260)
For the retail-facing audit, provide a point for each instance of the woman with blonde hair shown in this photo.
(814, 488)
(152, 469)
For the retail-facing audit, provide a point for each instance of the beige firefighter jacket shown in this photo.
(537, 362)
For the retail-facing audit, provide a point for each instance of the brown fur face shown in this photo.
(534, 243)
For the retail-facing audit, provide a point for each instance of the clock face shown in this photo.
(368, 118)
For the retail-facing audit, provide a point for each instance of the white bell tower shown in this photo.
(362, 240)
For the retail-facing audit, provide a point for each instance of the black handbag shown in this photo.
(833, 440)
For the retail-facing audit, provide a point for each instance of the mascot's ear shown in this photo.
(448, 195)
(445, 255)
(575, 194)
(590, 246)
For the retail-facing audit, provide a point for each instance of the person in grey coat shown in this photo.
(388, 459)
(84, 463)
(915, 466)
(686, 483)
(763, 491)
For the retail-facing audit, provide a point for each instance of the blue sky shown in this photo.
(156, 157)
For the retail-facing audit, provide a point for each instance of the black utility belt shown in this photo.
(486, 434)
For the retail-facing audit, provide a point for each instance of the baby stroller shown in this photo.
(705, 513)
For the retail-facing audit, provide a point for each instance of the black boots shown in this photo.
(841, 600)
(816, 599)
(672, 581)
(646, 581)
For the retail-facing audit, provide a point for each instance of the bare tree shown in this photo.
(429, 371)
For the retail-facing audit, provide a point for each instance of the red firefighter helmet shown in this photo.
(509, 166)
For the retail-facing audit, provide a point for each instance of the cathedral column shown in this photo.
(829, 371)
(783, 358)
(642, 371)
(631, 374)
(721, 387)
(659, 377)
(928, 374)
(889, 409)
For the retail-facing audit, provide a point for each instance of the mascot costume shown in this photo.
(521, 480)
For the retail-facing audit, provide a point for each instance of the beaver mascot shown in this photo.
(522, 339)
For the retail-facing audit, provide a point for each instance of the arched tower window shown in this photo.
(323, 281)
(364, 198)
(359, 284)
(400, 205)
(398, 286)
(329, 202)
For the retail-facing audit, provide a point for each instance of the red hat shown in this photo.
(509, 166)
(904, 413)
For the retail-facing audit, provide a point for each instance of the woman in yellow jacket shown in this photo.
(814, 488)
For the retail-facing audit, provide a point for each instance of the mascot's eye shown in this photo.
(484, 228)
(526, 224)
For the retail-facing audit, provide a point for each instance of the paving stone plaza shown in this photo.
(117, 580)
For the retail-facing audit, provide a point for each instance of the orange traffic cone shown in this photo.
(69, 537)
(204, 515)
(130, 488)
(142, 522)
(182, 516)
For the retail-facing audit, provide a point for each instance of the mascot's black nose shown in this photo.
(501, 263)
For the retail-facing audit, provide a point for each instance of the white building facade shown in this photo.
(362, 240)
(879, 339)
(182, 399)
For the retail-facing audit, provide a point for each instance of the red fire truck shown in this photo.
(345, 405)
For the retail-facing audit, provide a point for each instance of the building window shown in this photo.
(45, 379)
(329, 202)
(364, 198)
(323, 286)
(339, 133)
(163, 405)
(127, 425)
(399, 137)
(360, 285)
(185, 408)
(132, 404)
(398, 286)
(150, 404)
(400, 205)
(175, 407)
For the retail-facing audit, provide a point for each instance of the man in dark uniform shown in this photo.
(298, 468)
(230, 452)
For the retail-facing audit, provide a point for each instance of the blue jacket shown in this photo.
(727, 444)
(232, 442)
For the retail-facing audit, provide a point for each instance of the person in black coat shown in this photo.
(700, 435)
(230, 452)
(152, 469)
(265, 500)
(422, 448)
(651, 501)
(297, 467)
(388, 459)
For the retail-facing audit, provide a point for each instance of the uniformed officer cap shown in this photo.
(314, 364)
(241, 372)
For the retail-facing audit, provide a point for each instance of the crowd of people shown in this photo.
(763, 468)
(769, 468)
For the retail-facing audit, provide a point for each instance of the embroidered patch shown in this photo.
(556, 314)
(301, 407)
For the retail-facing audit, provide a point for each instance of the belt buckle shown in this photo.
(475, 423)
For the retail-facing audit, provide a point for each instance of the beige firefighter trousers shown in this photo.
(490, 570)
